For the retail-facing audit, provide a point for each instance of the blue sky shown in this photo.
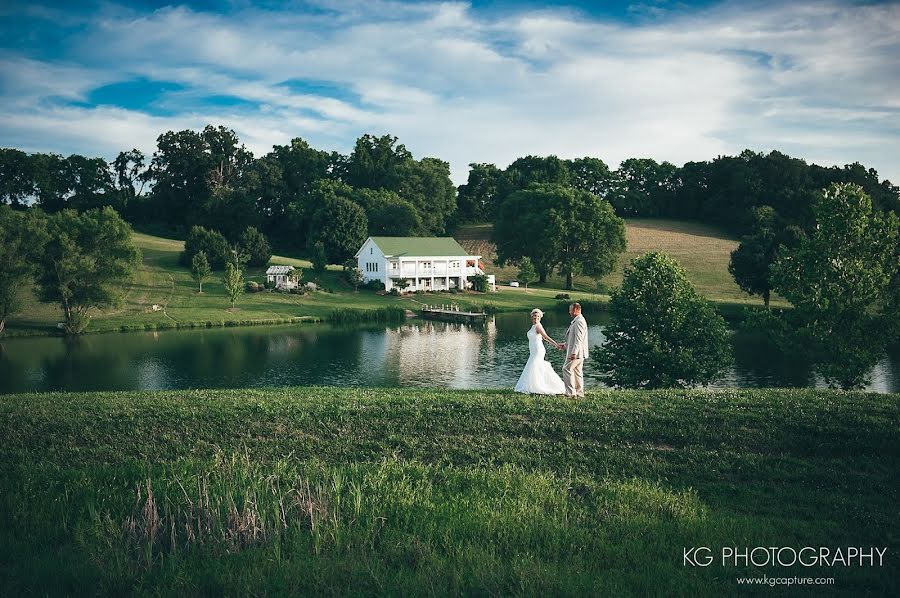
(481, 81)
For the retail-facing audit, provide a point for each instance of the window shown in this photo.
(454, 264)
(371, 251)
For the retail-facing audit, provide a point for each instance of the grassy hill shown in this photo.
(162, 281)
(322, 491)
(704, 251)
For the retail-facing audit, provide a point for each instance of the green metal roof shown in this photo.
(420, 246)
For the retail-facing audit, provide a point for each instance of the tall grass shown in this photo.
(355, 316)
(375, 491)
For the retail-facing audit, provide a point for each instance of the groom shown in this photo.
(576, 347)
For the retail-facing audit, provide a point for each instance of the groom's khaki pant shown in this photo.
(573, 377)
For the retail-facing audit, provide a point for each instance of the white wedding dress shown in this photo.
(539, 377)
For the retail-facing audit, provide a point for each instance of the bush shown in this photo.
(563, 296)
(253, 286)
(212, 243)
(663, 333)
(394, 292)
(353, 316)
(374, 285)
(479, 282)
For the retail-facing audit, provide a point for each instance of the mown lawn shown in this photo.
(162, 281)
(368, 491)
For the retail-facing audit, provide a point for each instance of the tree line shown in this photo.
(723, 192)
(296, 195)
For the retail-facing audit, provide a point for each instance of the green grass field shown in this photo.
(365, 491)
(161, 281)
(703, 250)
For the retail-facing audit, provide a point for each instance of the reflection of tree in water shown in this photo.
(416, 353)
(760, 363)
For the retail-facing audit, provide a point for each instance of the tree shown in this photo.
(233, 281)
(340, 226)
(318, 257)
(477, 200)
(527, 273)
(751, 261)
(85, 262)
(388, 214)
(22, 237)
(559, 226)
(518, 230)
(586, 232)
(353, 274)
(426, 184)
(255, 245)
(16, 177)
(592, 175)
(644, 187)
(200, 269)
(663, 333)
(377, 163)
(841, 280)
(210, 242)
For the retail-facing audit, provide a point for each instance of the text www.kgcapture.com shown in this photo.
(765, 580)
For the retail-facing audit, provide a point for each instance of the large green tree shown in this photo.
(389, 215)
(663, 332)
(519, 230)
(841, 280)
(586, 232)
(88, 257)
(751, 261)
(22, 239)
(557, 226)
(477, 200)
(340, 226)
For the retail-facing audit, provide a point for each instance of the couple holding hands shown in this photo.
(539, 377)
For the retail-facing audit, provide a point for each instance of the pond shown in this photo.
(416, 353)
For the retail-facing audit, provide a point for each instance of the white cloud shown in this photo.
(818, 80)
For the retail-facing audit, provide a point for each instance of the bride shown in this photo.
(538, 377)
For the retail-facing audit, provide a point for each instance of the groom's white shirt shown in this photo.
(577, 338)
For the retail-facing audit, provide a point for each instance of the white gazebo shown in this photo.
(426, 263)
(282, 276)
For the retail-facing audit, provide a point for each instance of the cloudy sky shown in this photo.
(481, 81)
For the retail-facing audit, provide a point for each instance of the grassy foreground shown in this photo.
(367, 491)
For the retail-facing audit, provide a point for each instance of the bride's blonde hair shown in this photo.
(539, 313)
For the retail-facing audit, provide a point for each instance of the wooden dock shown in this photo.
(451, 313)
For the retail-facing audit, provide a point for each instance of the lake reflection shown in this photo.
(417, 353)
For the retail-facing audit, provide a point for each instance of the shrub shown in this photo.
(563, 296)
(212, 243)
(374, 285)
(663, 333)
(253, 286)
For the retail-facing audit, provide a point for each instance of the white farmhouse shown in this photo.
(427, 263)
(282, 276)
